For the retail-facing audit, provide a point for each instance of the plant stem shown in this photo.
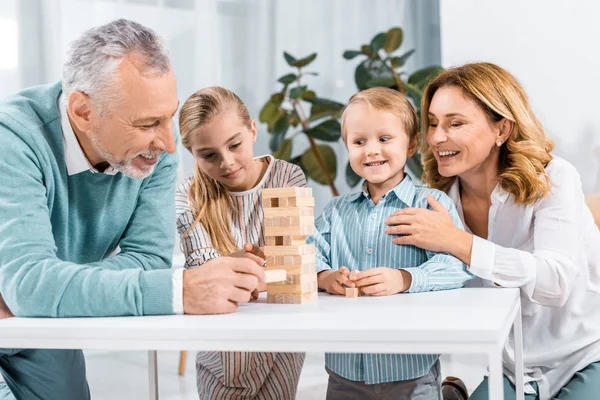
(315, 149)
(397, 79)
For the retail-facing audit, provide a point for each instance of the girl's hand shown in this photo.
(383, 281)
(333, 281)
(429, 230)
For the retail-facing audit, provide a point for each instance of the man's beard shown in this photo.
(125, 166)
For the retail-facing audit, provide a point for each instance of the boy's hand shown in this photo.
(4, 310)
(333, 281)
(383, 281)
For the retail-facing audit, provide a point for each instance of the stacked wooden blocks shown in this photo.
(288, 220)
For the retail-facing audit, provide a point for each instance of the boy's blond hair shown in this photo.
(392, 101)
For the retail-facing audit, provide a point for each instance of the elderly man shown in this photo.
(88, 170)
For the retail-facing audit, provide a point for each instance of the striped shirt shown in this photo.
(351, 232)
(241, 375)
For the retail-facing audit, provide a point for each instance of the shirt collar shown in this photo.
(404, 191)
(75, 158)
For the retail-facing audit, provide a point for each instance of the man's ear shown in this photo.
(79, 108)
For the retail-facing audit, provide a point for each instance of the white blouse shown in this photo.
(551, 250)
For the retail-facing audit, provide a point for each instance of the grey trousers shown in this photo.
(43, 375)
(427, 387)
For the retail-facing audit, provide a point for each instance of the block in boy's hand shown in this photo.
(352, 292)
(275, 275)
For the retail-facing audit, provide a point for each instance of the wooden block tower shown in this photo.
(288, 220)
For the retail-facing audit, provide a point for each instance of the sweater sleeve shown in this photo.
(35, 282)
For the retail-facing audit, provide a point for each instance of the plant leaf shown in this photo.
(398, 62)
(289, 58)
(413, 93)
(324, 108)
(414, 165)
(281, 126)
(361, 76)
(377, 42)
(366, 50)
(381, 82)
(393, 40)
(307, 95)
(303, 62)
(285, 150)
(422, 77)
(350, 54)
(313, 168)
(329, 131)
(297, 91)
(352, 179)
(325, 102)
(310, 73)
(287, 79)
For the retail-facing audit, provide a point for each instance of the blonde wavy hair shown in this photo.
(209, 200)
(527, 151)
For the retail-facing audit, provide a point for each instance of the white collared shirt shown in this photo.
(551, 250)
(77, 162)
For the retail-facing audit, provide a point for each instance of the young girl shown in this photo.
(218, 211)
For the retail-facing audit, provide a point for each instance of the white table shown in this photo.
(470, 320)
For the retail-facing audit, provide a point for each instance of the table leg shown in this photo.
(496, 378)
(153, 374)
(518, 340)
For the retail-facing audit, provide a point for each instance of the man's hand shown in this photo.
(4, 310)
(333, 281)
(218, 286)
(382, 281)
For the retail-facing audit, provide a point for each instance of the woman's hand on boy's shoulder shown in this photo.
(383, 281)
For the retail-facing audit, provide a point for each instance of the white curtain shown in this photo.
(238, 44)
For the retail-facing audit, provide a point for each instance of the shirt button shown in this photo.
(373, 216)
(369, 251)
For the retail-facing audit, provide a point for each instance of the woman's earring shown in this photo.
(499, 143)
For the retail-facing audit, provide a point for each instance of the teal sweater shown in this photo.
(57, 231)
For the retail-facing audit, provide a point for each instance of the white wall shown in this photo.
(551, 46)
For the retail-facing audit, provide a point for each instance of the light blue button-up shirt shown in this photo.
(351, 232)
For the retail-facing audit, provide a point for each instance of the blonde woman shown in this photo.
(219, 213)
(526, 220)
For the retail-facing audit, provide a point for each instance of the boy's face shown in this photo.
(378, 145)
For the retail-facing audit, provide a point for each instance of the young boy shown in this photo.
(380, 128)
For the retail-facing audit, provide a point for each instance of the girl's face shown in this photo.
(223, 149)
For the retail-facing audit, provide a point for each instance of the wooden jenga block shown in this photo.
(299, 279)
(295, 202)
(296, 269)
(275, 275)
(286, 192)
(289, 212)
(289, 221)
(292, 298)
(307, 284)
(352, 292)
(283, 259)
(285, 240)
(303, 230)
(288, 250)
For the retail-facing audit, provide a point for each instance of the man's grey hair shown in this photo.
(93, 59)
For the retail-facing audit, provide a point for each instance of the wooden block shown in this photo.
(289, 221)
(288, 250)
(295, 202)
(286, 192)
(299, 279)
(276, 275)
(289, 212)
(285, 240)
(296, 269)
(292, 298)
(352, 292)
(308, 284)
(303, 230)
(292, 260)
